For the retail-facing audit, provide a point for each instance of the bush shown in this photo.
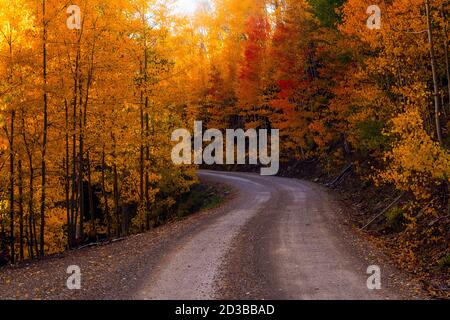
(371, 137)
(395, 217)
(444, 262)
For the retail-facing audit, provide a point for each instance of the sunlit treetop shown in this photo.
(189, 6)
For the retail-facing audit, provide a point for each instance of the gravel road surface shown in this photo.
(274, 238)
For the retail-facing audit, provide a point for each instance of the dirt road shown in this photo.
(286, 241)
(276, 238)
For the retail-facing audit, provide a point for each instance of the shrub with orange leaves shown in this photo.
(415, 163)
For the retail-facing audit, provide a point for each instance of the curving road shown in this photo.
(274, 238)
(277, 238)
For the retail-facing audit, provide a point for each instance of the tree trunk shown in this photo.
(91, 194)
(147, 168)
(74, 196)
(105, 198)
(73, 199)
(11, 187)
(447, 65)
(117, 209)
(31, 218)
(21, 255)
(116, 200)
(81, 207)
(66, 178)
(30, 239)
(44, 136)
(433, 70)
(141, 158)
(146, 144)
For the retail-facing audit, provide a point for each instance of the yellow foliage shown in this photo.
(415, 161)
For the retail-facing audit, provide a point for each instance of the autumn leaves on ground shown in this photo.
(87, 114)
